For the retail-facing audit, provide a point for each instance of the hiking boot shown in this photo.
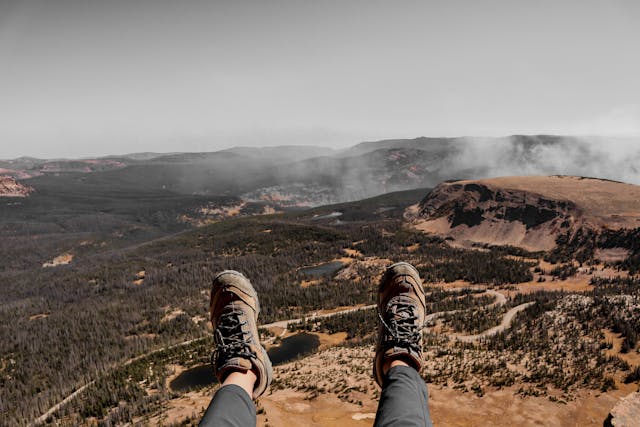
(234, 311)
(401, 309)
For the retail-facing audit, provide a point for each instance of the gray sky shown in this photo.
(90, 77)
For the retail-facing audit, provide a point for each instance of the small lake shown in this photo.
(327, 216)
(293, 347)
(326, 269)
(193, 378)
(289, 349)
(385, 209)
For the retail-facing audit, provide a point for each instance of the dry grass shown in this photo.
(63, 259)
(310, 282)
(39, 316)
(353, 253)
(612, 203)
(170, 315)
(632, 357)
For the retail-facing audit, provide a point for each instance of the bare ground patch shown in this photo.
(39, 316)
(632, 357)
(63, 259)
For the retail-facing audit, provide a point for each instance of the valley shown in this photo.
(534, 313)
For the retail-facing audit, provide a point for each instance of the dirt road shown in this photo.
(506, 322)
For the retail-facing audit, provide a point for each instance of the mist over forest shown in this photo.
(312, 175)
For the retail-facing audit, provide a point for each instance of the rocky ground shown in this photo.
(9, 187)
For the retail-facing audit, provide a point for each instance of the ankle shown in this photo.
(388, 364)
(243, 379)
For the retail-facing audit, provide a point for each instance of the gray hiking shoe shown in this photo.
(401, 309)
(234, 311)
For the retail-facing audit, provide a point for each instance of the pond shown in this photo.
(327, 216)
(196, 377)
(289, 349)
(293, 347)
(326, 269)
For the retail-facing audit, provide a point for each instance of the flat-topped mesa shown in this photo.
(529, 212)
(9, 187)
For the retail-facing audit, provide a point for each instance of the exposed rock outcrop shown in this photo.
(9, 187)
(529, 212)
(626, 413)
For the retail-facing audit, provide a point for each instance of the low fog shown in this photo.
(610, 158)
(374, 168)
(311, 175)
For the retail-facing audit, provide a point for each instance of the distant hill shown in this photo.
(137, 156)
(303, 176)
(268, 179)
(282, 153)
(439, 145)
(27, 167)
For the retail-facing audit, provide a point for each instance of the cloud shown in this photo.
(619, 121)
(602, 157)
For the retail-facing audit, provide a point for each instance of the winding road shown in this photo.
(284, 324)
(506, 322)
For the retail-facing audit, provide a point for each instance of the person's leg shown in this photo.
(401, 309)
(239, 361)
(404, 399)
(232, 405)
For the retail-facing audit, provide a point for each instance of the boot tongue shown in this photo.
(226, 297)
(227, 302)
(402, 285)
(396, 303)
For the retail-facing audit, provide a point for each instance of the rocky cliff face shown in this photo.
(486, 213)
(9, 187)
(531, 212)
(472, 203)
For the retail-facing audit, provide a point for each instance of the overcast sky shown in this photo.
(91, 77)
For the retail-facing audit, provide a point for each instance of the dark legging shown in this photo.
(403, 403)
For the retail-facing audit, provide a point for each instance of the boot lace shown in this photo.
(230, 339)
(402, 330)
